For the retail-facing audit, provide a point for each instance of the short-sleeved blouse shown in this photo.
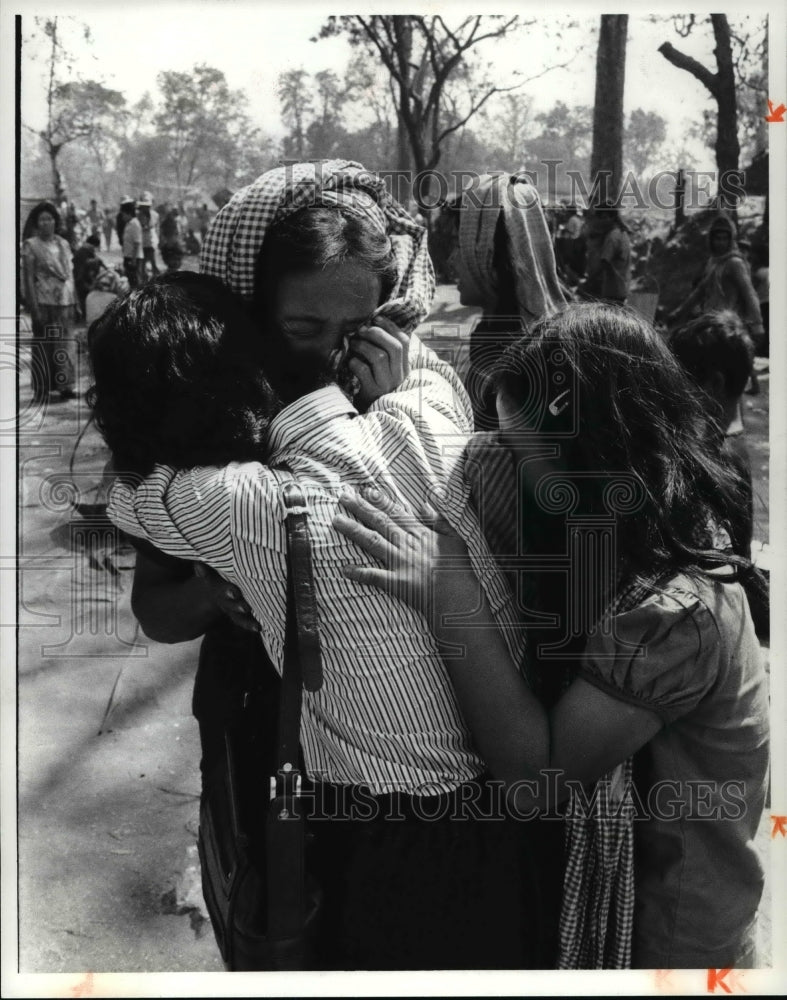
(689, 654)
(49, 264)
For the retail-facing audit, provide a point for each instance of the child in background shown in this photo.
(718, 354)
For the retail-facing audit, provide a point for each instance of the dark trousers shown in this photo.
(53, 351)
(425, 884)
(132, 267)
(150, 254)
(444, 882)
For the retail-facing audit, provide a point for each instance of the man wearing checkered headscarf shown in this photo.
(236, 235)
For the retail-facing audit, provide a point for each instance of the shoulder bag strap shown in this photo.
(302, 668)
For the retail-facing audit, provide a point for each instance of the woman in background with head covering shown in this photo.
(506, 265)
(726, 282)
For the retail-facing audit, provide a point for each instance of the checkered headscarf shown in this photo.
(236, 234)
(528, 243)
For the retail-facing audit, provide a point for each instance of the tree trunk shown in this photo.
(606, 161)
(403, 33)
(58, 181)
(721, 85)
(727, 146)
(680, 198)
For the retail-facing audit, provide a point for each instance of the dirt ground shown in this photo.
(108, 753)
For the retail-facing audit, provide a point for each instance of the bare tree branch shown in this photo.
(476, 107)
(691, 65)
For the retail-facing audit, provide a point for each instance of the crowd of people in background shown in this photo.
(594, 250)
(65, 281)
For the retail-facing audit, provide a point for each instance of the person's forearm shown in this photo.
(751, 308)
(30, 291)
(174, 611)
(688, 302)
(508, 723)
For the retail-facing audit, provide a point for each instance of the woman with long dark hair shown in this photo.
(656, 731)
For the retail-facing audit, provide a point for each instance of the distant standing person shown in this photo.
(108, 226)
(51, 299)
(149, 220)
(95, 218)
(203, 221)
(171, 243)
(133, 257)
(608, 257)
(505, 263)
(121, 218)
(726, 284)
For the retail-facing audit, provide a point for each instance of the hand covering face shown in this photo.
(236, 234)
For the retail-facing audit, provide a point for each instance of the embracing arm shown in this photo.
(170, 601)
(691, 299)
(588, 731)
(751, 304)
(179, 519)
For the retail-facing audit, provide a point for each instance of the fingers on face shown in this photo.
(387, 326)
(375, 355)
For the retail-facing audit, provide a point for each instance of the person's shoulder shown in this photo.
(738, 268)
(666, 652)
(709, 600)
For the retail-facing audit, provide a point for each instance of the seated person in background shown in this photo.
(107, 286)
(87, 264)
(717, 353)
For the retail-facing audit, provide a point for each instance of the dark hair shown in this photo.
(715, 341)
(173, 383)
(317, 237)
(31, 222)
(633, 411)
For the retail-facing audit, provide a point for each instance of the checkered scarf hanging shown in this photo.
(597, 906)
(236, 234)
(597, 909)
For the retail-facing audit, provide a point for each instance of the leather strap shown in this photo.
(302, 668)
(299, 551)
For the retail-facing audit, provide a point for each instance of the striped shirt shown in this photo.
(386, 716)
